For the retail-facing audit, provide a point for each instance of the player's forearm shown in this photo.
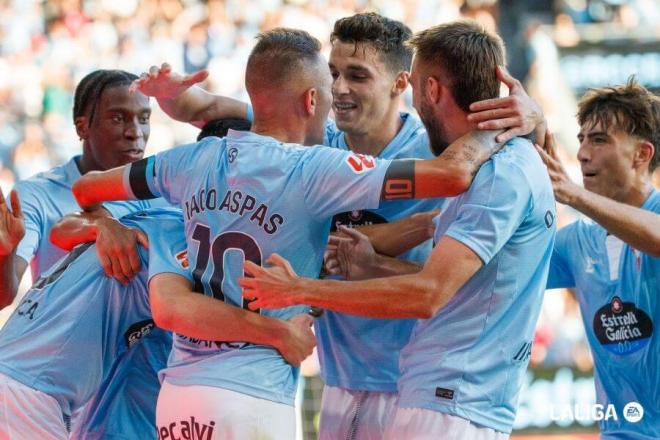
(8, 279)
(12, 268)
(407, 296)
(637, 227)
(202, 317)
(393, 239)
(198, 107)
(96, 187)
(452, 172)
(74, 229)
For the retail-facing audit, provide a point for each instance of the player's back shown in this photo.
(245, 197)
(74, 321)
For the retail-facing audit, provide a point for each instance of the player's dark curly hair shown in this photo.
(220, 127)
(630, 108)
(91, 87)
(387, 36)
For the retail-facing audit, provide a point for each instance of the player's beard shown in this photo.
(434, 129)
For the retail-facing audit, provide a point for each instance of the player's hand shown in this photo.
(116, 247)
(517, 113)
(272, 287)
(350, 255)
(12, 224)
(562, 185)
(162, 83)
(300, 342)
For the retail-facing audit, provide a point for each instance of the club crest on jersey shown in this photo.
(621, 327)
(182, 259)
(360, 163)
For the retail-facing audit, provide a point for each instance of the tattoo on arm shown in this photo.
(399, 182)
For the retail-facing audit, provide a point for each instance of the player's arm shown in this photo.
(395, 238)
(177, 308)
(353, 257)
(182, 100)
(116, 244)
(418, 295)
(12, 231)
(448, 175)
(637, 227)
(96, 187)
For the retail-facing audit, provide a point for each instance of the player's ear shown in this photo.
(643, 154)
(82, 127)
(401, 82)
(310, 101)
(433, 90)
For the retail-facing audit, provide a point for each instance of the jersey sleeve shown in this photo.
(560, 274)
(120, 209)
(337, 181)
(167, 251)
(33, 214)
(495, 205)
(166, 174)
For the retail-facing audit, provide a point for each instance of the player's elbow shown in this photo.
(81, 192)
(461, 181)
(162, 310)
(429, 300)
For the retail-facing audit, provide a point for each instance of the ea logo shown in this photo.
(231, 154)
(633, 412)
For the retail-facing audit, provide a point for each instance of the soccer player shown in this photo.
(66, 334)
(370, 65)
(113, 125)
(613, 261)
(255, 193)
(110, 414)
(63, 338)
(479, 293)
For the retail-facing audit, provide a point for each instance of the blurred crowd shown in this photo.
(46, 47)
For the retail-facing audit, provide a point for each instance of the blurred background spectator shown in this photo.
(558, 48)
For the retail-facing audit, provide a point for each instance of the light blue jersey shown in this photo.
(245, 197)
(74, 322)
(618, 289)
(361, 353)
(45, 199)
(470, 358)
(125, 405)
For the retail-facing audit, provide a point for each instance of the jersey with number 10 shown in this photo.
(74, 322)
(245, 197)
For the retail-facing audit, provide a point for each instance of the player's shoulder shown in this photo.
(519, 161)
(652, 202)
(156, 221)
(41, 183)
(411, 142)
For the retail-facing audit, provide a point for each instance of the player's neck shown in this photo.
(638, 192)
(456, 124)
(282, 130)
(375, 141)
